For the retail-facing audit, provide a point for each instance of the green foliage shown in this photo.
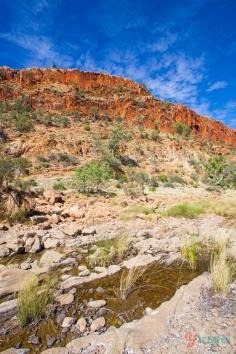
(87, 126)
(67, 159)
(184, 210)
(58, 186)
(92, 176)
(23, 123)
(183, 129)
(220, 173)
(118, 136)
(163, 178)
(55, 121)
(189, 251)
(176, 179)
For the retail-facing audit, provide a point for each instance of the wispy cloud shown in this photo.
(217, 85)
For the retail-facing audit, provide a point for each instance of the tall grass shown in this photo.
(222, 272)
(33, 300)
(129, 281)
(189, 251)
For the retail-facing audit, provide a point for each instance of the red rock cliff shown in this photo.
(54, 90)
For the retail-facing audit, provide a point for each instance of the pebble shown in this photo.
(67, 322)
(81, 324)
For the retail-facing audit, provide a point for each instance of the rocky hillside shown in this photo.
(98, 96)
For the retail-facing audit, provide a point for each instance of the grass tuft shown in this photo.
(184, 210)
(222, 272)
(33, 300)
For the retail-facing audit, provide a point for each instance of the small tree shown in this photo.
(14, 192)
(91, 177)
(118, 136)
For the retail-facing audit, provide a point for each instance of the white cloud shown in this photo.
(217, 85)
(42, 50)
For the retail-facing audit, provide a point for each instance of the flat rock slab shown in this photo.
(11, 280)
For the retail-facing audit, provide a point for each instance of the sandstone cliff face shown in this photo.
(58, 91)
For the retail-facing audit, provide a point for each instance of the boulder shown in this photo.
(53, 197)
(38, 219)
(37, 246)
(72, 229)
(67, 322)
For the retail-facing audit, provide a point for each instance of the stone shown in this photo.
(89, 231)
(4, 227)
(100, 290)
(50, 340)
(51, 243)
(112, 269)
(81, 324)
(65, 299)
(38, 219)
(56, 350)
(54, 219)
(25, 265)
(67, 322)
(8, 309)
(68, 261)
(72, 229)
(49, 257)
(97, 324)
(81, 268)
(12, 279)
(4, 251)
(53, 197)
(37, 246)
(34, 340)
(84, 273)
(99, 269)
(96, 304)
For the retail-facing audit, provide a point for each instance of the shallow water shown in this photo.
(158, 284)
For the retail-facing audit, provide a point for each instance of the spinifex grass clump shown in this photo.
(115, 251)
(33, 300)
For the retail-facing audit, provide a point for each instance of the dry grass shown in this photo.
(129, 281)
(222, 272)
(133, 211)
(225, 206)
(33, 300)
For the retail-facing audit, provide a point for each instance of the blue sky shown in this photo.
(184, 50)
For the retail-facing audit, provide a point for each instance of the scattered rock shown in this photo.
(37, 246)
(99, 290)
(38, 219)
(96, 303)
(82, 268)
(72, 229)
(97, 324)
(84, 273)
(99, 269)
(53, 197)
(67, 322)
(25, 265)
(81, 324)
(65, 299)
(34, 340)
(89, 231)
(50, 257)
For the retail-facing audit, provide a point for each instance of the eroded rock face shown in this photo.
(39, 83)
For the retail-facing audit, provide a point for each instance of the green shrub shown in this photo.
(183, 129)
(118, 136)
(91, 177)
(220, 172)
(23, 123)
(163, 178)
(176, 179)
(87, 127)
(67, 159)
(58, 186)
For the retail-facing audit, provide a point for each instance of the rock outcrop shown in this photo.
(58, 91)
